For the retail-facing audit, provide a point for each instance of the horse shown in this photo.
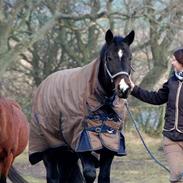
(78, 114)
(14, 133)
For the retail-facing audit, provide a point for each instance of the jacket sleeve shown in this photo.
(152, 97)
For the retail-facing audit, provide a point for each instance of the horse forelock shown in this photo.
(118, 40)
(117, 43)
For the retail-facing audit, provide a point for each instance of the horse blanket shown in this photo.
(66, 112)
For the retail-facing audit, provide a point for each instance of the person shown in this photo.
(170, 93)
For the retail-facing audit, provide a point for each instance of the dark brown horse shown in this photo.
(14, 134)
(79, 113)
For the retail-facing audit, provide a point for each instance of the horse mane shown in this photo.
(4, 102)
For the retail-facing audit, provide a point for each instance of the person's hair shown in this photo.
(179, 55)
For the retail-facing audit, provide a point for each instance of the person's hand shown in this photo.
(132, 84)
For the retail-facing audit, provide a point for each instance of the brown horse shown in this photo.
(14, 134)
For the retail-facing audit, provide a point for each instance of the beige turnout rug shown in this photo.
(67, 111)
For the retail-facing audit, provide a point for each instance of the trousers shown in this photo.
(174, 154)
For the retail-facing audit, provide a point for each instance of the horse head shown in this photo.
(116, 67)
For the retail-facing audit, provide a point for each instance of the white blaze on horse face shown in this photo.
(120, 53)
(123, 86)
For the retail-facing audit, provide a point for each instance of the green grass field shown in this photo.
(136, 167)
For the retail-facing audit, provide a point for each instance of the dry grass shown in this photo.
(136, 167)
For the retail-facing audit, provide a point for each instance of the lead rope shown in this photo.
(141, 138)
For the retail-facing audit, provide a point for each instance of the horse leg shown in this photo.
(69, 169)
(52, 174)
(5, 164)
(89, 170)
(2, 177)
(105, 167)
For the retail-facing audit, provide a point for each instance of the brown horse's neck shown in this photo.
(105, 80)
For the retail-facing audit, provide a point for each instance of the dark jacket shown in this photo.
(172, 94)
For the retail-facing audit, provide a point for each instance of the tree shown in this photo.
(163, 18)
(45, 36)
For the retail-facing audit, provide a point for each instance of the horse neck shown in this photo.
(105, 80)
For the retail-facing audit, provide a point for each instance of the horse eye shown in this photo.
(109, 58)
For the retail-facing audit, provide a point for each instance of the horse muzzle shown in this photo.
(123, 87)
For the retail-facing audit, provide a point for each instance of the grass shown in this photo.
(136, 167)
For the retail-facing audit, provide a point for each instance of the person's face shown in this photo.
(176, 65)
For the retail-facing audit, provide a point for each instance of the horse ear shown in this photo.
(129, 38)
(109, 36)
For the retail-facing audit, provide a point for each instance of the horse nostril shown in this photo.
(123, 86)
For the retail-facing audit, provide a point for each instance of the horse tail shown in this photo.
(15, 177)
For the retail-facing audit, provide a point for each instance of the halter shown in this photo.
(114, 75)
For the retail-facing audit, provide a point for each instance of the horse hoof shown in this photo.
(2, 179)
(89, 175)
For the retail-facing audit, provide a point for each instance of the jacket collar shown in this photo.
(179, 75)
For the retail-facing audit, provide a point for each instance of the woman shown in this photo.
(171, 93)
